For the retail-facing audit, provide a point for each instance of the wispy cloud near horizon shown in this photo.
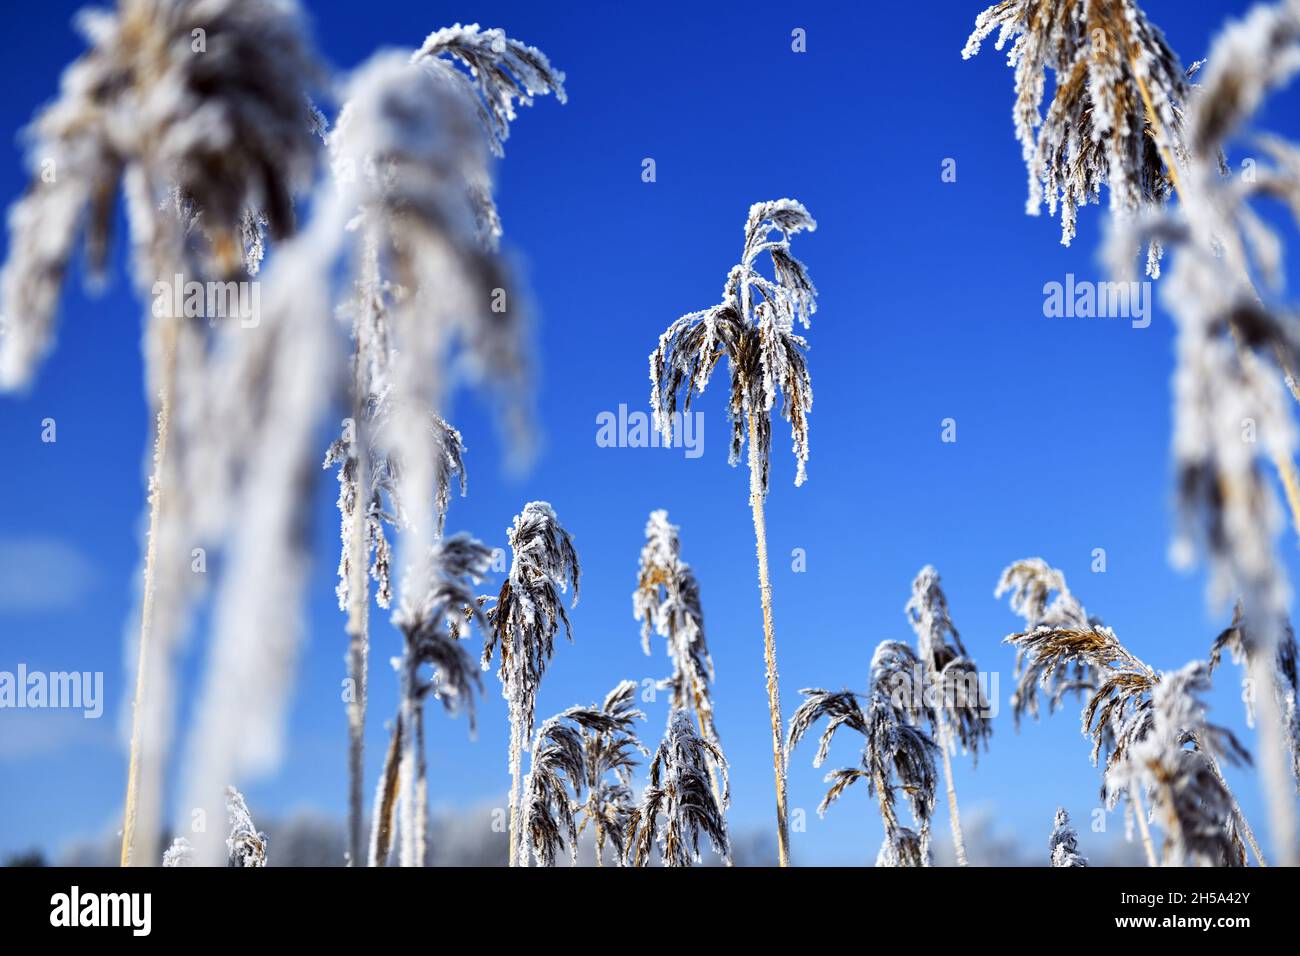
(40, 574)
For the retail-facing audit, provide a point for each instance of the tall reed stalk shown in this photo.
(522, 624)
(765, 357)
(958, 713)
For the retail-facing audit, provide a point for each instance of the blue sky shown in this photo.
(930, 308)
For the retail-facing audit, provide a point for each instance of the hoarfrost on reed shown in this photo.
(894, 749)
(955, 706)
(1235, 335)
(523, 622)
(146, 113)
(246, 845)
(1189, 798)
(667, 603)
(1116, 110)
(678, 805)
(1063, 849)
(754, 327)
(589, 752)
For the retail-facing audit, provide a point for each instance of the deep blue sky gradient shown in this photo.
(930, 308)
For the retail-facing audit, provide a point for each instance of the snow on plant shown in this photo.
(586, 751)
(1116, 108)
(764, 356)
(180, 853)
(432, 617)
(143, 113)
(1039, 595)
(667, 603)
(363, 514)
(958, 715)
(1241, 643)
(246, 845)
(408, 197)
(678, 805)
(894, 748)
(1189, 797)
(503, 71)
(1120, 713)
(1231, 329)
(522, 624)
(1063, 850)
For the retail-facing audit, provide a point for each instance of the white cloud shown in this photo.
(42, 574)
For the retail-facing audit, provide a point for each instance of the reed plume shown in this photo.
(502, 72)
(954, 706)
(1120, 716)
(408, 201)
(523, 622)
(1224, 292)
(1063, 849)
(246, 845)
(667, 603)
(179, 854)
(587, 752)
(678, 806)
(368, 500)
(1116, 109)
(764, 356)
(432, 619)
(1241, 643)
(894, 748)
(147, 114)
(1189, 796)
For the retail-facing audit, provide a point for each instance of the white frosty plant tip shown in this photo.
(246, 845)
(678, 805)
(1063, 849)
(894, 748)
(754, 328)
(1115, 119)
(504, 71)
(140, 111)
(589, 752)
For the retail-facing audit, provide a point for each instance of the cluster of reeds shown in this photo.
(1141, 723)
(754, 328)
(1125, 114)
(936, 688)
(394, 286)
